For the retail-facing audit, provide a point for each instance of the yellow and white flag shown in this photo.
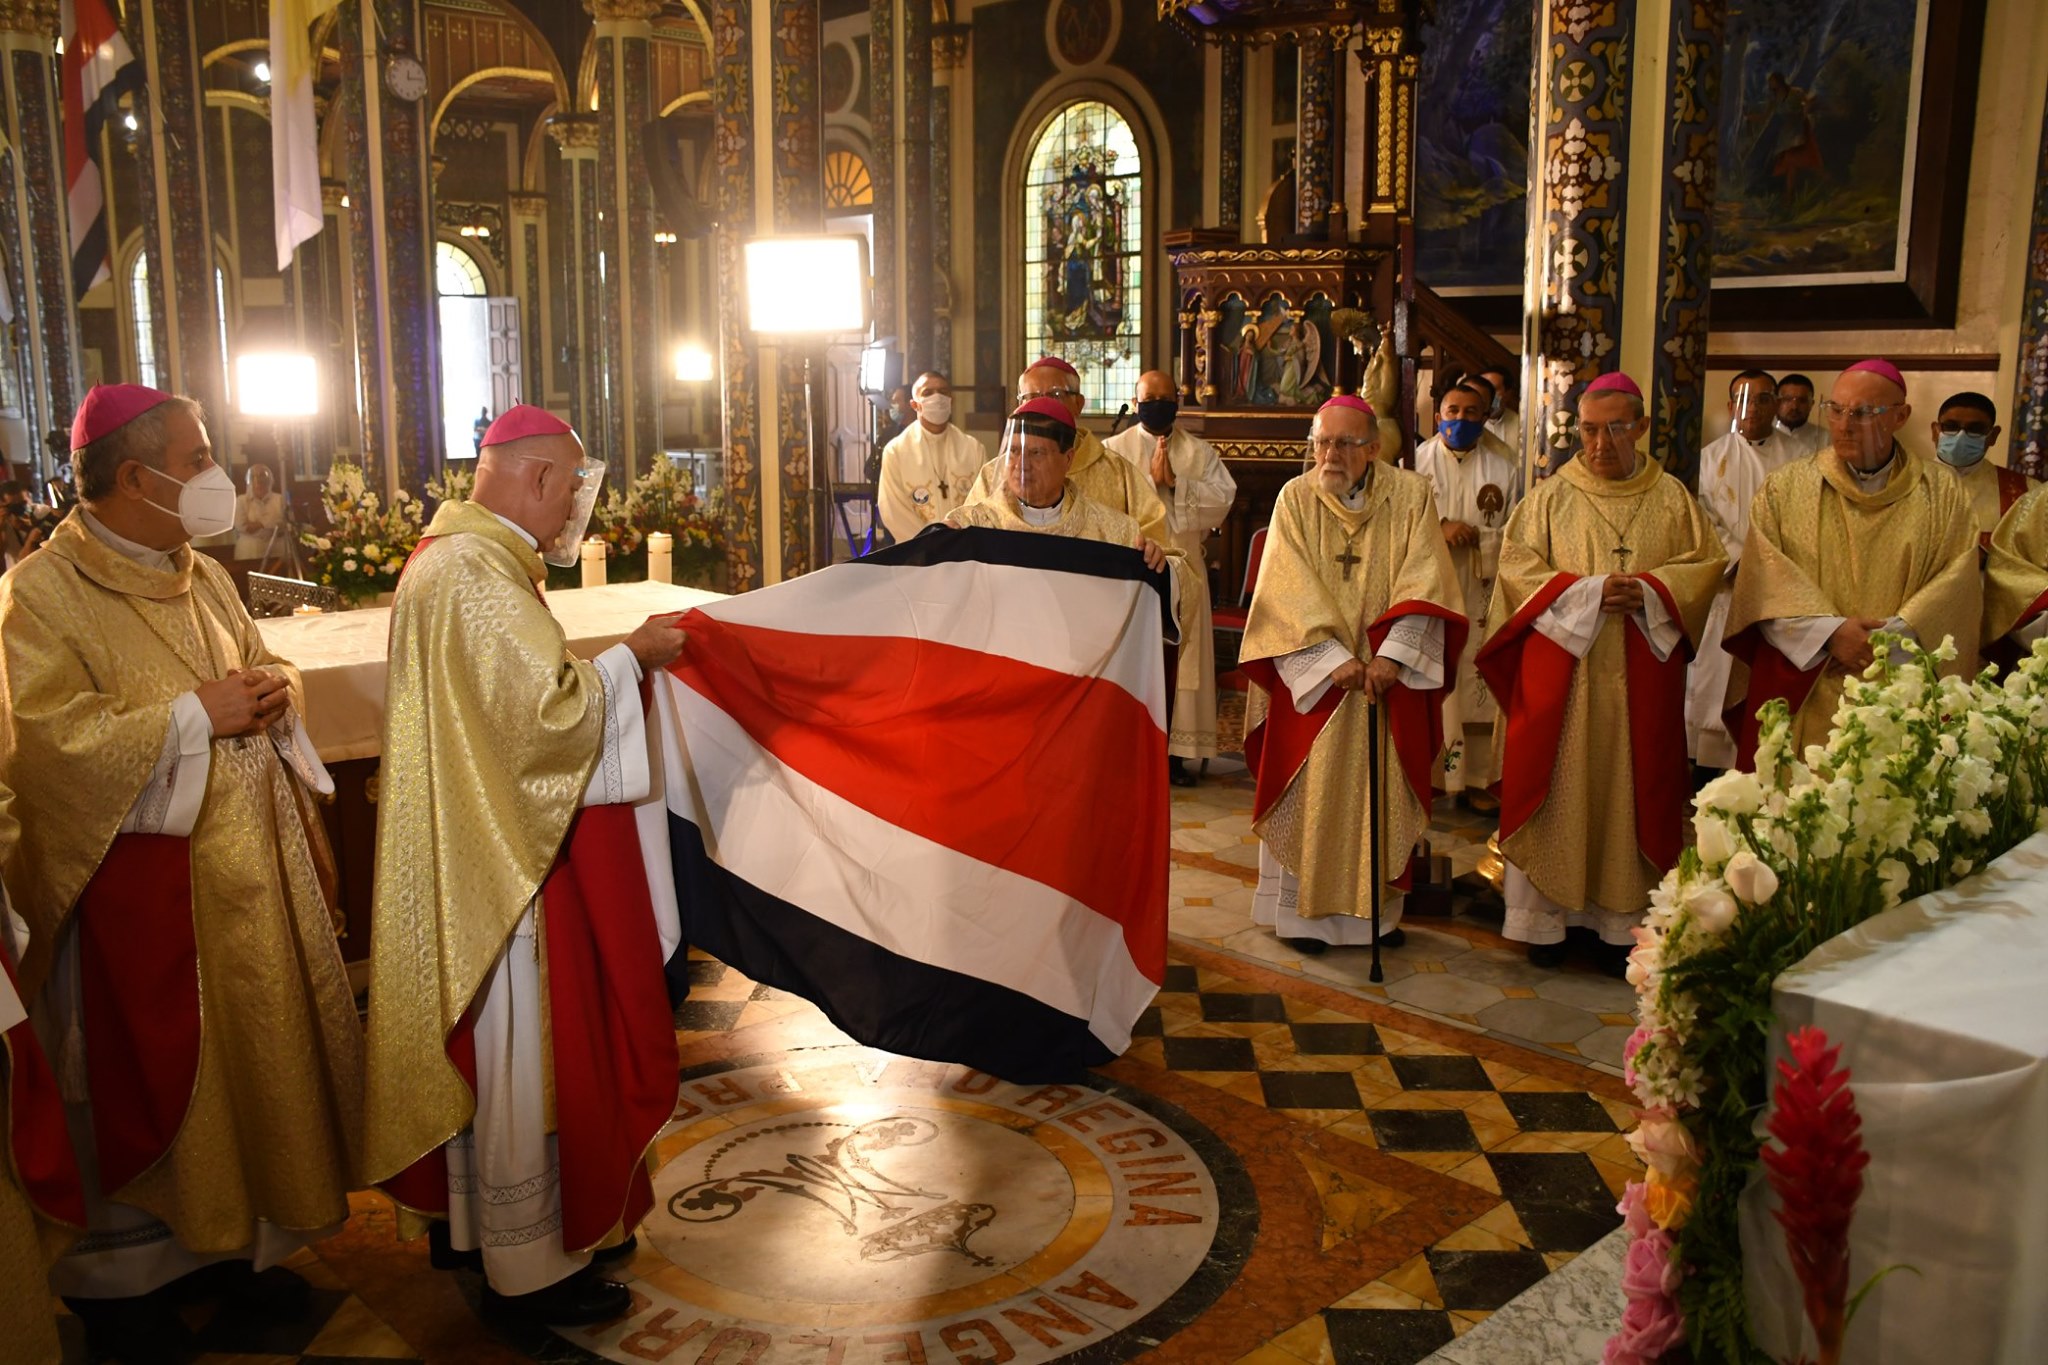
(294, 132)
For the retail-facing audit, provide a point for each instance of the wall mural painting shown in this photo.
(1275, 356)
(1818, 105)
(1472, 152)
(1083, 280)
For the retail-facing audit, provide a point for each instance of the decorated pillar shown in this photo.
(529, 215)
(1578, 198)
(883, 71)
(1683, 281)
(335, 342)
(2030, 390)
(391, 239)
(1315, 136)
(576, 136)
(630, 287)
(1230, 138)
(918, 229)
(32, 204)
(177, 234)
(949, 55)
(765, 94)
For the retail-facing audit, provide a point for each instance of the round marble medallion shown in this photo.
(846, 1206)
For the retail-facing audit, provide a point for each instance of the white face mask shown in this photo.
(206, 501)
(936, 408)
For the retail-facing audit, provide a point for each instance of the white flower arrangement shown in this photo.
(1923, 780)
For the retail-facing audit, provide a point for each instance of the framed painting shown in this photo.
(1471, 149)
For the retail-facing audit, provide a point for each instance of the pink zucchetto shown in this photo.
(523, 420)
(1348, 400)
(108, 408)
(1052, 409)
(1615, 382)
(1880, 367)
(1053, 362)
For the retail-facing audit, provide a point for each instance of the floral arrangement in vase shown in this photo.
(662, 499)
(366, 541)
(1923, 780)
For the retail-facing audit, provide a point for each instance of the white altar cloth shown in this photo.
(1941, 1007)
(343, 655)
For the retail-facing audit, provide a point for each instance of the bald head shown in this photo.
(1865, 441)
(1155, 384)
(1048, 381)
(531, 482)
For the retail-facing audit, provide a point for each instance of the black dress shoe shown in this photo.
(1309, 947)
(144, 1330)
(441, 1252)
(1393, 938)
(1546, 954)
(614, 1255)
(579, 1301)
(1179, 775)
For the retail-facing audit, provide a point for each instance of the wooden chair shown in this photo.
(1228, 627)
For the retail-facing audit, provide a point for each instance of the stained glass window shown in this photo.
(1083, 250)
(847, 184)
(138, 311)
(456, 271)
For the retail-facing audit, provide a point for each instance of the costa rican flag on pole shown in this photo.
(96, 70)
(927, 792)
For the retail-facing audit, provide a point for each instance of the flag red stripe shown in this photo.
(1068, 789)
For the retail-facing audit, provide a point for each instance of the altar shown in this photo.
(343, 657)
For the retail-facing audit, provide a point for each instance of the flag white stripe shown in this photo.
(784, 834)
(999, 609)
(98, 72)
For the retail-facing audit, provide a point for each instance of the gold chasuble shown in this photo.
(1594, 776)
(1332, 573)
(2016, 577)
(491, 730)
(209, 1119)
(1819, 546)
(1105, 478)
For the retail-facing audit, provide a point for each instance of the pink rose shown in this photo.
(1647, 1267)
(1629, 1050)
(1665, 1148)
(1618, 1354)
(1651, 1327)
(1634, 1216)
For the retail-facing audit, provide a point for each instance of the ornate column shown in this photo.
(1578, 194)
(882, 164)
(391, 246)
(1315, 132)
(765, 94)
(918, 231)
(2030, 390)
(529, 214)
(32, 203)
(1230, 138)
(576, 136)
(949, 54)
(335, 344)
(1685, 240)
(624, 41)
(177, 233)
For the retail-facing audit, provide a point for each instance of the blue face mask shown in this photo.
(1961, 449)
(1461, 433)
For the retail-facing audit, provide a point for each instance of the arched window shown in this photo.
(848, 188)
(1083, 249)
(145, 329)
(456, 271)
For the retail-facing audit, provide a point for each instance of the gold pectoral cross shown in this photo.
(1621, 554)
(1347, 559)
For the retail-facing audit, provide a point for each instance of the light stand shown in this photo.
(806, 290)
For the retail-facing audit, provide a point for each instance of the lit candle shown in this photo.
(593, 563)
(661, 558)
(307, 609)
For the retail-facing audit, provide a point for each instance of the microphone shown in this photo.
(1123, 411)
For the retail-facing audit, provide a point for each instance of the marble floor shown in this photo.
(1289, 1165)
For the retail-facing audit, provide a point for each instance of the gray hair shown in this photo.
(141, 439)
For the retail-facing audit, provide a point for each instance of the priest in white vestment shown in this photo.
(1795, 417)
(1478, 482)
(1197, 491)
(519, 1026)
(1732, 469)
(929, 466)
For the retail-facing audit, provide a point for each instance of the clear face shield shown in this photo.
(1753, 412)
(564, 551)
(1033, 467)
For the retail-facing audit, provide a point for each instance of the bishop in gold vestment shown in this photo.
(521, 1046)
(2016, 578)
(1607, 573)
(1862, 537)
(171, 855)
(1357, 621)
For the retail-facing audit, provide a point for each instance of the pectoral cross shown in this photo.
(944, 490)
(1347, 559)
(1621, 554)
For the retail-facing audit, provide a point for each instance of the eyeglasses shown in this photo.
(1613, 431)
(1864, 412)
(1319, 444)
(1049, 393)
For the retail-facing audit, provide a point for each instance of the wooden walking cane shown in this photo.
(1372, 788)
